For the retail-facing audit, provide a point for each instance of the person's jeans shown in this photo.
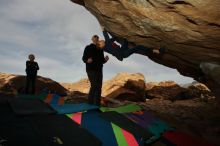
(30, 80)
(95, 78)
(137, 49)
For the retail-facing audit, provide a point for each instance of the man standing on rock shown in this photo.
(31, 71)
(94, 59)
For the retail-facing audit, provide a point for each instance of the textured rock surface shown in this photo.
(13, 84)
(82, 86)
(163, 90)
(123, 86)
(189, 29)
(199, 119)
(170, 90)
(132, 87)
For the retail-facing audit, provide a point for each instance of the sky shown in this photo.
(57, 31)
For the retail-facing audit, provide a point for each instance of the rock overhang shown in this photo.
(190, 30)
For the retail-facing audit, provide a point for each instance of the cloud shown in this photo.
(57, 31)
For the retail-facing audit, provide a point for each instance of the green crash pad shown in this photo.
(122, 109)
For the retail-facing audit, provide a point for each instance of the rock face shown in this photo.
(13, 84)
(190, 116)
(163, 90)
(132, 87)
(125, 86)
(188, 29)
(170, 90)
(82, 86)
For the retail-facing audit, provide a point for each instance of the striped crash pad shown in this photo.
(41, 130)
(145, 119)
(127, 124)
(58, 130)
(57, 103)
(150, 122)
(109, 133)
(73, 108)
(122, 109)
(48, 98)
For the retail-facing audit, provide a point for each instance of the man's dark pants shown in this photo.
(95, 78)
(30, 80)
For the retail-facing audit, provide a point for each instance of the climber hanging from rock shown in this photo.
(123, 51)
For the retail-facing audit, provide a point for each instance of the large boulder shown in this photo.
(13, 84)
(170, 90)
(164, 90)
(82, 86)
(125, 86)
(188, 29)
(200, 90)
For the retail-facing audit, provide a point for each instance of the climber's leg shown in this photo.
(140, 49)
(124, 45)
(118, 52)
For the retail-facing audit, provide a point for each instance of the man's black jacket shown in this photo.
(97, 56)
(31, 68)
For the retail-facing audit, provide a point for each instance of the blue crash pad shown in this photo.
(73, 108)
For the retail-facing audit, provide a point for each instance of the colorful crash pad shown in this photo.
(96, 125)
(125, 123)
(124, 138)
(58, 130)
(149, 122)
(122, 109)
(109, 133)
(73, 108)
(54, 99)
(48, 98)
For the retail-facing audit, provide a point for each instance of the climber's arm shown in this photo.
(106, 36)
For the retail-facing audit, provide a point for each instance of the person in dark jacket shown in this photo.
(31, 71)
(124, 51)
(94, 60)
